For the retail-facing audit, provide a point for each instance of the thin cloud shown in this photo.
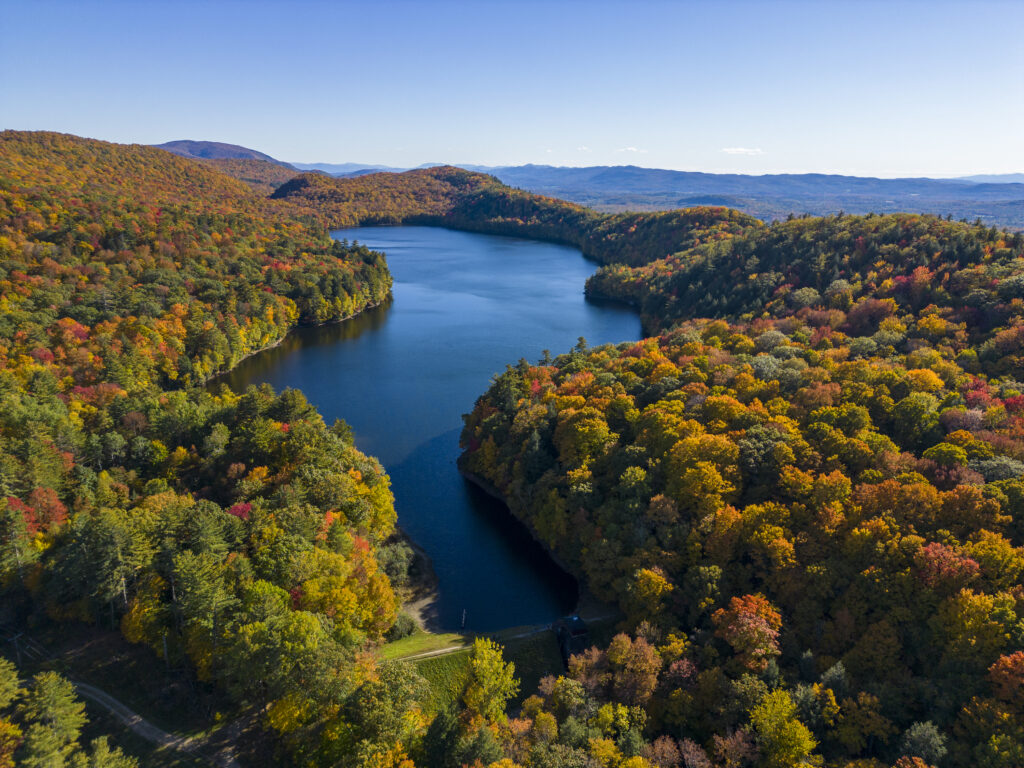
(583, 149)
(742, 151)
(631, 149)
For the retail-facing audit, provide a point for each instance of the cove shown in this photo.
(465, 306)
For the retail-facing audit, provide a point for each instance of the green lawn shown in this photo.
(422, 642)
(447, 676)
(534, 657)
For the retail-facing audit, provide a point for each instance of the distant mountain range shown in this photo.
(996, 178)
(215, 150)
(345, 169)
(996, 199)
(360, 169)
(631, 179)
(771, 196)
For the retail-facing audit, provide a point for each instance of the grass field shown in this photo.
(534, 653)
(423, 642)
(447, 676)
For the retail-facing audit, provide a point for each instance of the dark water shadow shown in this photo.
(300, 339)
(477, 547)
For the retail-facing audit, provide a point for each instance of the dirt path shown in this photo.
(224, 757)
(436, 652)
(133, 720)
(151, 733)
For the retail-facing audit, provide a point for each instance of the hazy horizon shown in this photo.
(460, 164)
(650, 168)
(897, 89)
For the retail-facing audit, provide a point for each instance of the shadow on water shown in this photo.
(304, 337)
(610, 304)
(475, 544)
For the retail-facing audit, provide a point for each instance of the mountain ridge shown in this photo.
(216, 150)
(996, 200)
(995, 178)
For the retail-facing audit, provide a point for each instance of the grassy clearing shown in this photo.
(447, 676)
(533, 651)
(423, 642)
(534, 656)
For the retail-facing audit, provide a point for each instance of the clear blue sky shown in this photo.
(921, 87)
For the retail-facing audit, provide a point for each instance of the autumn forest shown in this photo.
(801, 495)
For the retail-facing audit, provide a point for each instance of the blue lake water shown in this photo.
(465, 305)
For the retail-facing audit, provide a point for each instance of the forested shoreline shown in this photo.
(451, 197)
(805, 492)
(235, 532)
(798, 507)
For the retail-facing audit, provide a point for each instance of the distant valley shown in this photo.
(771, 196)
(997, 200)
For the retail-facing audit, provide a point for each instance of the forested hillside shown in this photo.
(102, 235)
(923, 265)
(236, 534)
(451, 197)
(806, 493)
(262, 177)
(811, 509)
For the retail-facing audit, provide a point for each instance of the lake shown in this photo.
(465, 306)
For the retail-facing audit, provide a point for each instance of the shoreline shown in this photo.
(586, 601)
(584, 596)
(273, 345)
(291, 329)
(424, 587)
(647, 330)
(486, 486)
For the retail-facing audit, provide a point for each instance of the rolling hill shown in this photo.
(995, 199)
(773, 196)
(215, 150)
